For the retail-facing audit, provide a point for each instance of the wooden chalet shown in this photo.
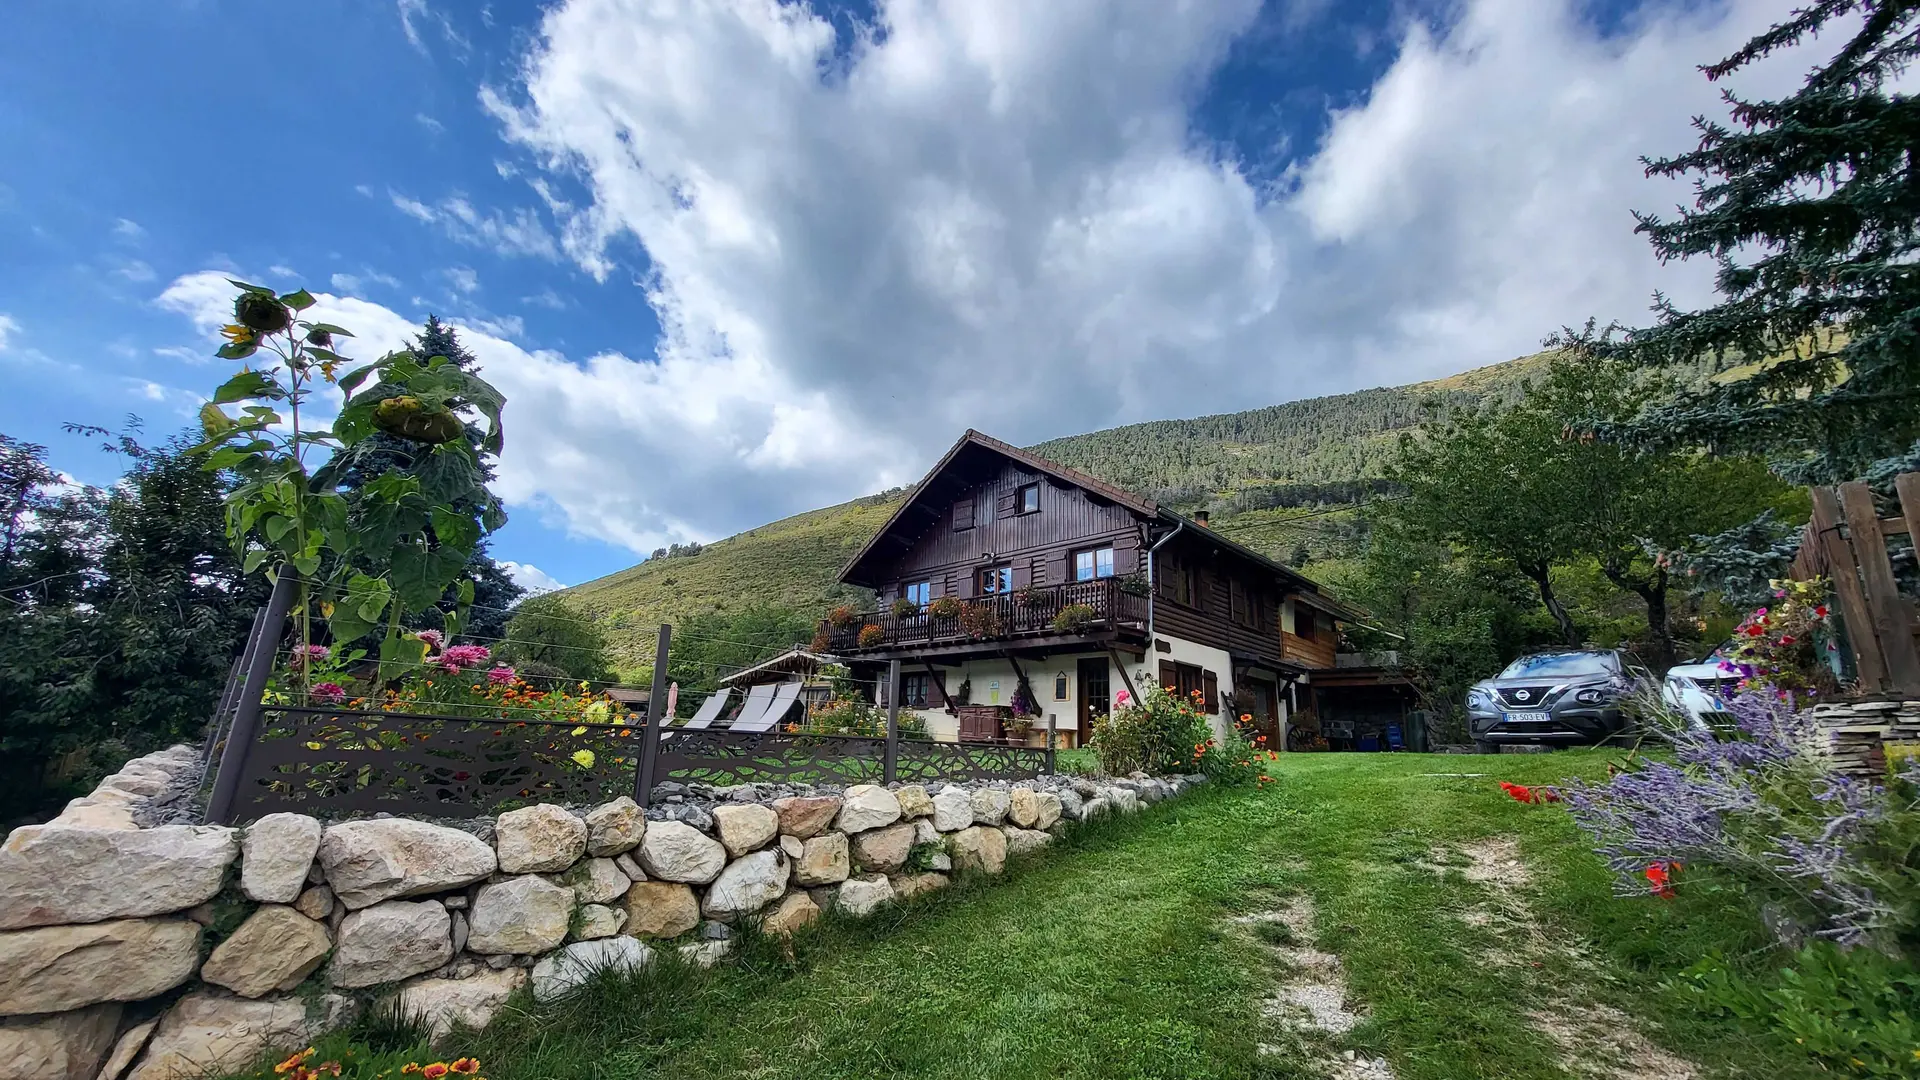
(1027, 580)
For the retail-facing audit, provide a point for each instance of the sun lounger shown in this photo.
(776, 710)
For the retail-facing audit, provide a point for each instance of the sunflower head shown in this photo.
(261, 313)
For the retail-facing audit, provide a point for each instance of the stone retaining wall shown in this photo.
(172, 951)
(1857, 732)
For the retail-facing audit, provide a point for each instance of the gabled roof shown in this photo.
(927, 506)
(794, 661)
(929, 500)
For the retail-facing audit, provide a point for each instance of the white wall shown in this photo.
(1146, 673)
(985, 673)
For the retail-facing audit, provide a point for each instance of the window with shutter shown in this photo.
(1210, 690)
(1169, 676)
(962, 514)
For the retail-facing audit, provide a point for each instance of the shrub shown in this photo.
(904, 608)
(822, 640)
(1033, 599)
(1781, 646)
(1074, 618)
(979, 621)
(1762, 813)
(841, 617)
(1241, 758)
(944, 607)
(871, 635)
(1852, 1011)
(1157, 735)
(843, 716)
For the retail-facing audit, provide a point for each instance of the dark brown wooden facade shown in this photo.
(1002, 531)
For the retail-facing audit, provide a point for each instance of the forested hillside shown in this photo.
(1280, 478)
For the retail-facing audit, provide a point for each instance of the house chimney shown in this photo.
(1200, 518)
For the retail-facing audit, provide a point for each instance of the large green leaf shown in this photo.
(248, 384)
(351, 380)
(261, 289)
(298, 300)
(236, 350)
(361, 609)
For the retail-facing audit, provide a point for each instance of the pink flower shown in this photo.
(457, 657)
(330, 692)
(1123, 697)
(433, 638)
(500, 676)
(305, 654)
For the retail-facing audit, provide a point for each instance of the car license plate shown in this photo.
(1527, 718)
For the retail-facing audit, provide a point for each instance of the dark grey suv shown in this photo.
(1570, 697)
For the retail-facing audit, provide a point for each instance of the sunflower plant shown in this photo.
(406, 536)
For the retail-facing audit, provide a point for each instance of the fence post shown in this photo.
(1050, 745)
(261, 649)
(656, 719)
(892, 765)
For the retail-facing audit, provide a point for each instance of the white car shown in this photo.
(1699, 691)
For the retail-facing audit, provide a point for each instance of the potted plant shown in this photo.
(871, 635)
(964, 695)
(1017, 726)
(1134, 583)
(945, 607)
(1075, 618)
(904, 608)
(1033, 599)
(841, 617)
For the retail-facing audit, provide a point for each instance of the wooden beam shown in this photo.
(1892, 620)
(1124, 677)
(1846, 590)
(934, 678)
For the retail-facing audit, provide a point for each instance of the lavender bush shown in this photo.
(1760, 809)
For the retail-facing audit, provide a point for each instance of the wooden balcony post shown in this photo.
(891, 766)
(656, 719)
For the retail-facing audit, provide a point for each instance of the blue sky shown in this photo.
(735, 260)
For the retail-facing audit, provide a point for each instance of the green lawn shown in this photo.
(1118, 955)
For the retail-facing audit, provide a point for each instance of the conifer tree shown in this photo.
(1809, 205)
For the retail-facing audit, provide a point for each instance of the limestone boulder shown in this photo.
(884, 850)
(792, 846)
(990, 806)
(470, 1002)
(745, 827)
(860, 896)
(676, 851)
(366, 862)
(630, 866)
(907, 886)
(806, 816)
(914, 801)
(316, 902)
(274, 949)
(1048, 809)
(981, 848)
(52, 875)
(87, 813)
(598, 921)
(748, 884)
(542, 839)
(793, 911)
(1023, 807)
(212, 1034)
(126, 1048)
(867, 806)
(64, 1046)
(824, 860)
(615, 828)
(391, 941)
(1070, 803)
(660, 909)
(596, 881)
(952, 809)
(555, 975)
(520, 916)
(1124, 800)
(1094, 808)
(275, 855)
(704, 953)
(56, 968)
(1020, 841)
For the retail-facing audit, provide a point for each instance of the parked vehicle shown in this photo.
(1699, 691)
(1564, 698)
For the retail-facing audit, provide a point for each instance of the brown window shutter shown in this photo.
(967, 580)
(1126, 554)
(1169, 675)
(962, 514)
(1022, 575)
(1058, 570)
(1210, 688)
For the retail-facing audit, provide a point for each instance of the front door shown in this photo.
(1095, 695)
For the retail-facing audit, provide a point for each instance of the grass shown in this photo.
(1116, 954)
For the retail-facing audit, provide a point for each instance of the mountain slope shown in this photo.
(1282, 479)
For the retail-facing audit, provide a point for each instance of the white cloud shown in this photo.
(345, 283)
(364, 189)
(530, 577)
(516, 232)
(9, 326)
(414, 13)
(134, 270)
(634, 452)
(281, 270)
(128, 229)
(429, 123)
(546, 298)
(464, 278)
(996, 214)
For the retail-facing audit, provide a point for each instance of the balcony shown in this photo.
(1024, 615)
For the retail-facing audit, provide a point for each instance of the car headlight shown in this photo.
(1589, 696)
(1479, 699)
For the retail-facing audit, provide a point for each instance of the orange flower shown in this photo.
(466, 1065)
(293, 1062)
(434, 1071)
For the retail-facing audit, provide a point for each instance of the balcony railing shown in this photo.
(1023, 613)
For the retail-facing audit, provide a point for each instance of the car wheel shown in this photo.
(1482, 746)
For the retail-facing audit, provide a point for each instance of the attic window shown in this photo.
(1027, 499)
(962, 514)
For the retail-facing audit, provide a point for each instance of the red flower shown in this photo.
(1660, 876)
